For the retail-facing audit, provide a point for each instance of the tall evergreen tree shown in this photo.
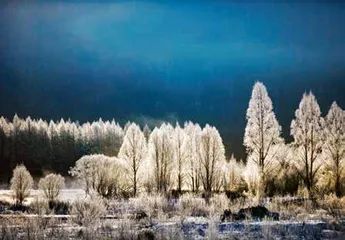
(262, 133)
(306, 130)
(334, 148)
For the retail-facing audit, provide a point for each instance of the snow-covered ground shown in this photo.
(202, 228)
(197, 227)
(68, 195)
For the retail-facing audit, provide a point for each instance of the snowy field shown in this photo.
(66, 195)
(119, 220)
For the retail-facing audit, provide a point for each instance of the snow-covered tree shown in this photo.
(193, 167)
(51, 186)
(101, 174)
(232, 174)
(21, 184)
(334, 148)
(180, 139)
(161, 153)
(306, 130)
(262, 133)
(251, 175)
(212, 154)
(133, 151)
(147, 132)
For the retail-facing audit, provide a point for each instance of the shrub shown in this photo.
(219, 202)
(60, 207)
(21, 184)
(39, 207)
(191, 205)
(89, 211)
(333, 205)
(51, 186)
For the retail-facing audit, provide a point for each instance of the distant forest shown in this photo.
(54, 146)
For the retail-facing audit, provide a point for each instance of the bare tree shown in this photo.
(21, 184)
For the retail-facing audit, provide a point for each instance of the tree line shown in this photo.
(54, 146)
(109, 159)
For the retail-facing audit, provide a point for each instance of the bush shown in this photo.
(51, 186)
(191, 205)
(21, 184)
(89, 211)
(333, 205)
(40, 207)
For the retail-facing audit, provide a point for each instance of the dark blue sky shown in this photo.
(168, 60)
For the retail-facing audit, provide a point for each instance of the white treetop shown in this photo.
(306, 130)
(334, 148)
(133, 151)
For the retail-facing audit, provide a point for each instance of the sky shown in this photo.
(154, 61)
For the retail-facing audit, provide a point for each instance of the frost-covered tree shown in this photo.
(101, 174)
(285, 178)
(56, 145)
(21, 184)
(306, 130)
(113, 138)
(334, 147)
(51, 186)
(180, 139)
(147, 132)
(212, 154)
(232, 174)
(251, 175)
(133, 151)
(262, 133)
(161, 153)
(193, 167)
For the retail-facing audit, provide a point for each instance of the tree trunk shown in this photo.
(338, 186)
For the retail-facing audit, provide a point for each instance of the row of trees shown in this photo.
(22, 183)
(188, 157)
(318, 143)
(193, 158)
